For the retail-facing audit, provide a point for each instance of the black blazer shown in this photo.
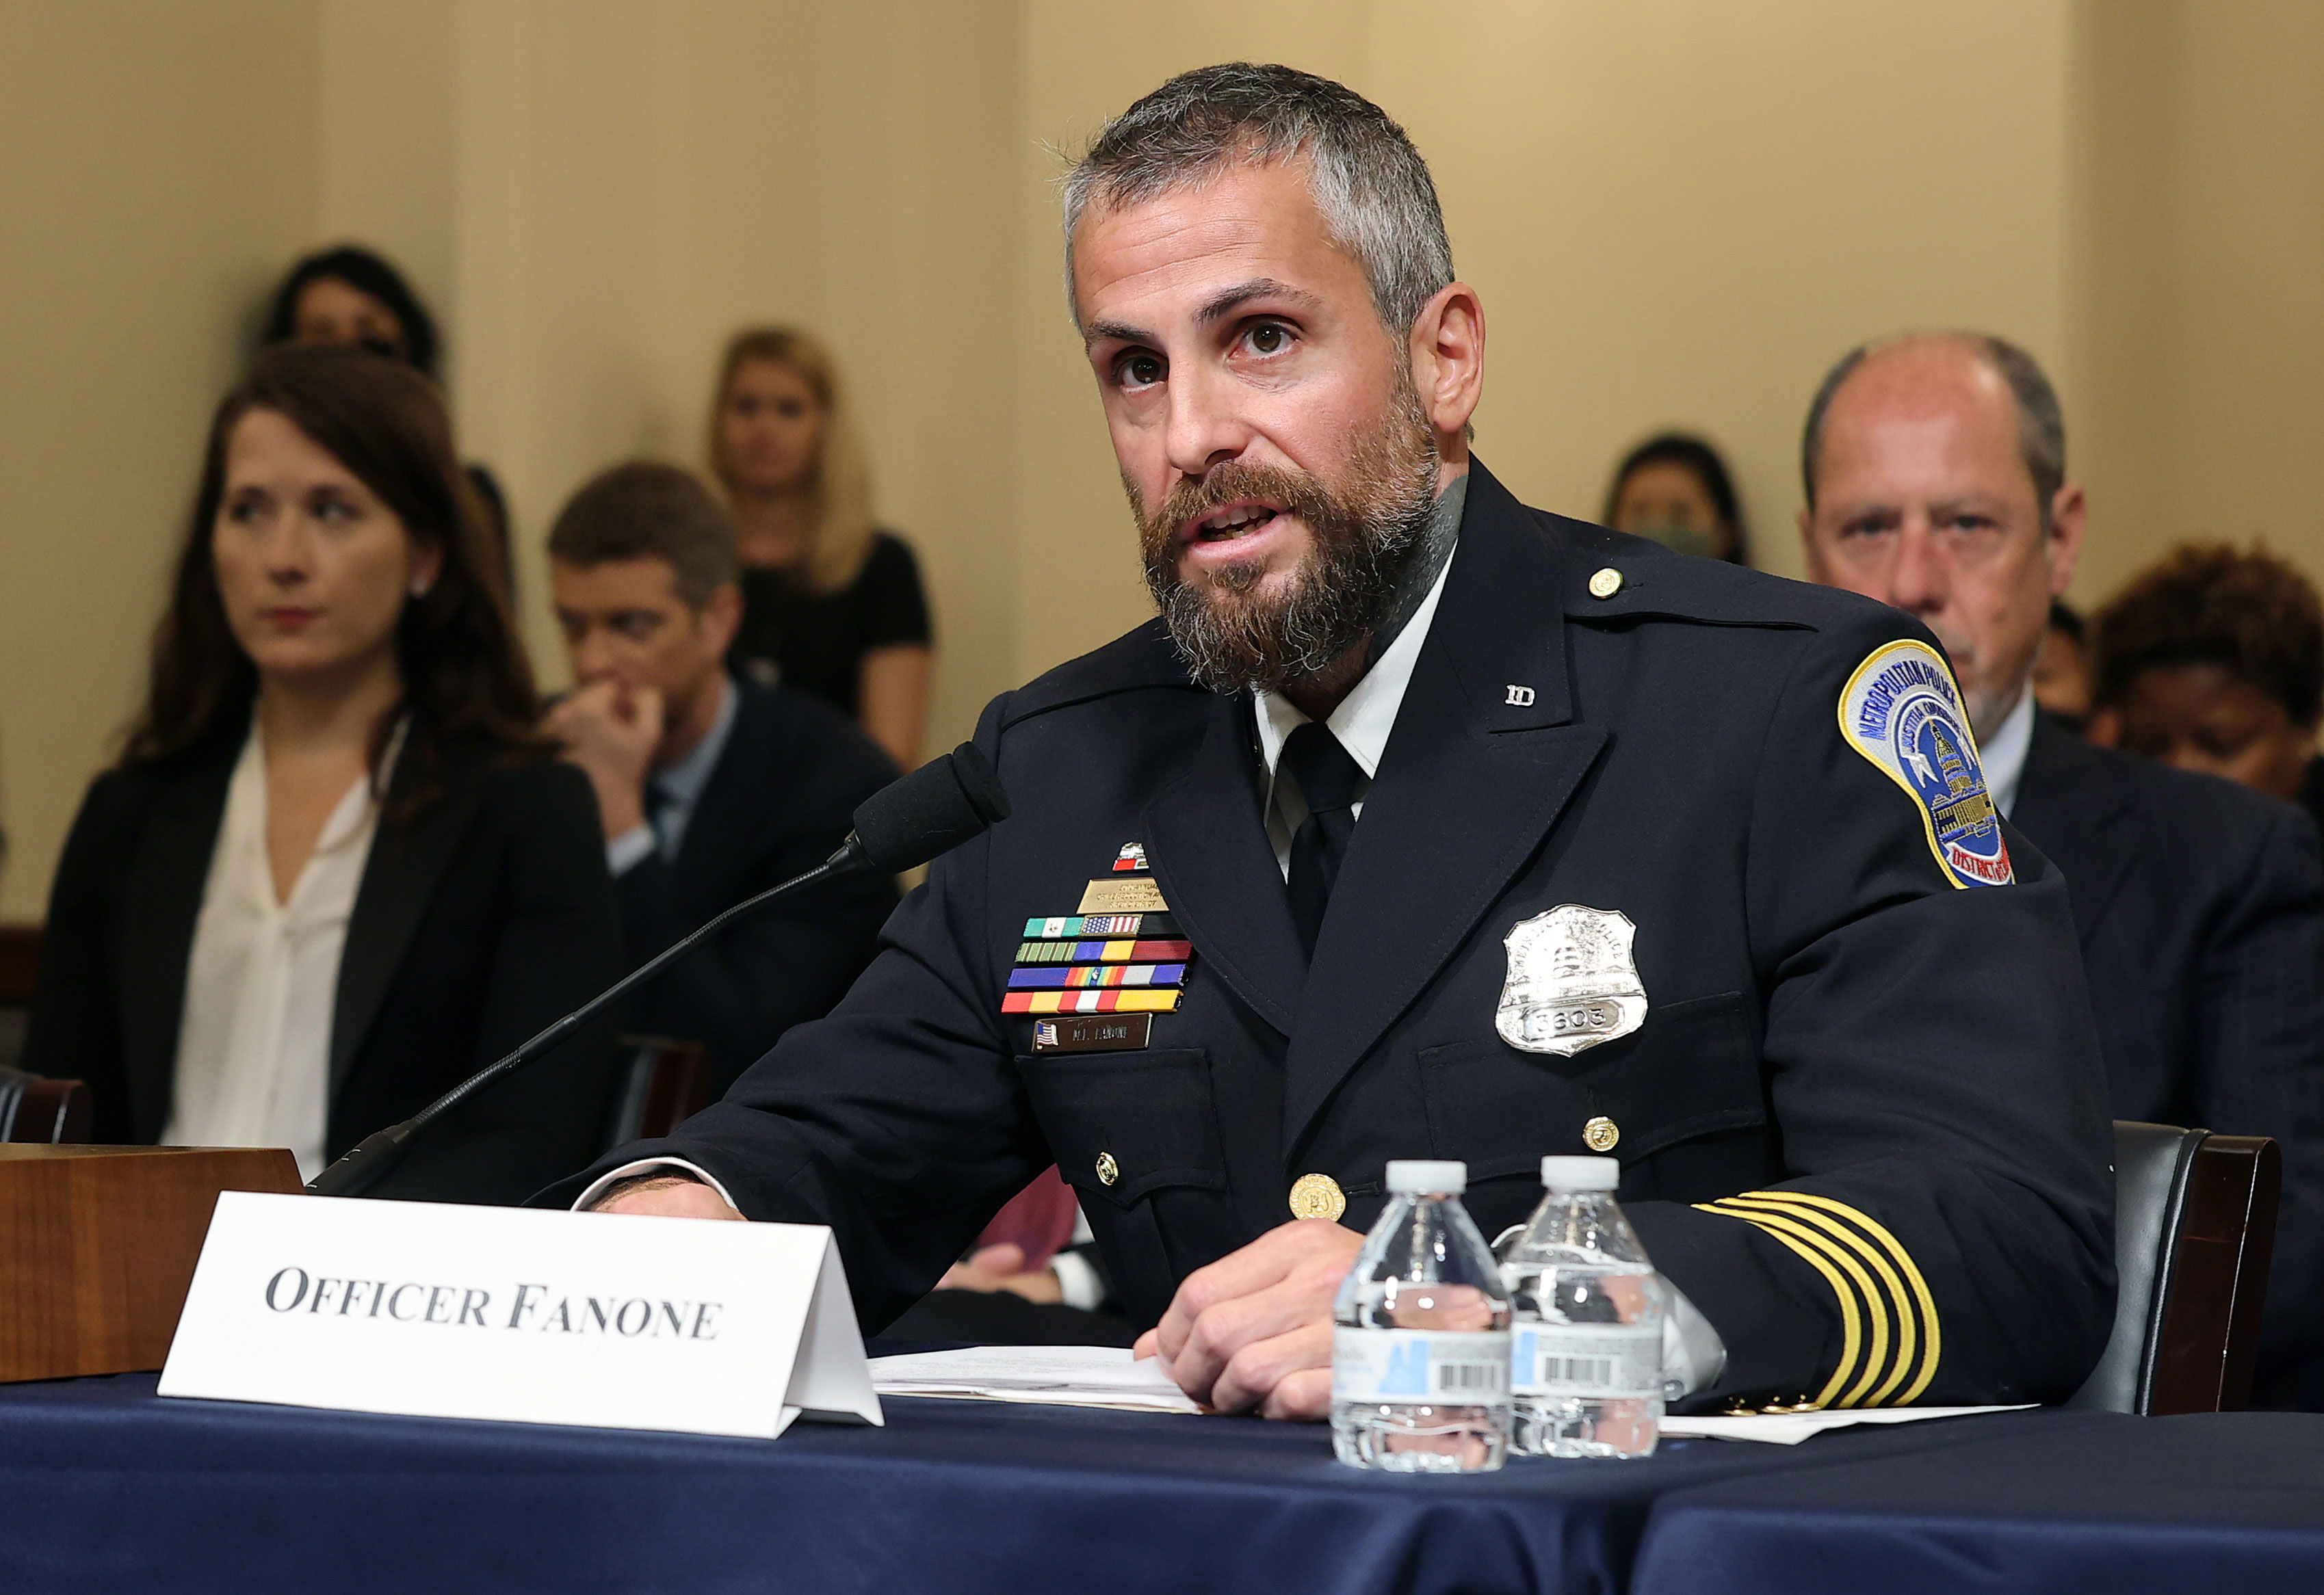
(485, 916)
(780, 799)
(2200, 908)
(1861, 1120)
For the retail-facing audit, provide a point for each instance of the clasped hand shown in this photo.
(1252, 1332)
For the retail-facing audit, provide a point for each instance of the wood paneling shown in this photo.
(98, 1246)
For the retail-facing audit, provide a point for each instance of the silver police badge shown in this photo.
(1573, 982)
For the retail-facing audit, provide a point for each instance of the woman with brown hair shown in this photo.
(335, 870)
(831, 604)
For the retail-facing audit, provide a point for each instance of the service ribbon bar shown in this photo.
(1111, 1000)
(1075, 976)
(1070, 926)
(1104, 951)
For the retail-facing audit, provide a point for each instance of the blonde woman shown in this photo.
(832, 605)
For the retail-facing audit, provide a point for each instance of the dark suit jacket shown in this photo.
(780, 801)
(2200, 909)
(1888, 1083)
(477, 922)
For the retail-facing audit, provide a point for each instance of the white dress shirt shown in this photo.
(1362, 722)
(2003, 758)
(254, 1041)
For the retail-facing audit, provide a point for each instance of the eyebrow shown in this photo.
(1120, 332)
(1219, 304)
(1257, 288)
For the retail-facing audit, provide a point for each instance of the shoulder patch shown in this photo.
(1902, 710)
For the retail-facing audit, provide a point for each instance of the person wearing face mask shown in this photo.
(1676, 490)
(1935, 474)
(832, 605)
(350, 296)
(710, 788)
(335, 870)
(2212, 659)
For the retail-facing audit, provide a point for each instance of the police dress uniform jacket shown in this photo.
(2200, 908)
(484, 912)
(1861, 1119)
(779, 799)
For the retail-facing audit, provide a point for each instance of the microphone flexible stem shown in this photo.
(364, 1165)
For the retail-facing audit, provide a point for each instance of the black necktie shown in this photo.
(1328, 778)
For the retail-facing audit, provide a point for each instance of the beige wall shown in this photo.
(1677, 211)
(2200, 278)
(157, 163)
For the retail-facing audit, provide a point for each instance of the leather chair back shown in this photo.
(2194, 1229)
(34, 1109)
(664, 1082)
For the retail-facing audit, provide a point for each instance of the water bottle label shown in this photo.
(1588, 1360)
(1433, 1365)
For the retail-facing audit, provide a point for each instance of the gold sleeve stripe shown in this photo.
(1851, 1320)
(1904, 1265)
(1908, 1323)
(1853, 1375)
(1900, 1308)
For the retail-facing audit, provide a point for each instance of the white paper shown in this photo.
(1054, 1375)
(1789, 1428)
(609, 1321)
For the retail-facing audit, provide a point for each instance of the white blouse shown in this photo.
(254, 1041)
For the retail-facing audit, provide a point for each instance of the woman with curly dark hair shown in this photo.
(2212, 659)
(335, 870)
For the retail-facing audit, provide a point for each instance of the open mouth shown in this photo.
(1233, 523)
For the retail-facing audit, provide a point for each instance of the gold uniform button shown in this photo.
(1317, 1196)
(1600, 1135)
(1606, 583)
(1108, 1170)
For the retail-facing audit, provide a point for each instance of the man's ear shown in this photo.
(2069, 517)
(1447, 351)
(721, 618)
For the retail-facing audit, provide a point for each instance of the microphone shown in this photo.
(904, 824)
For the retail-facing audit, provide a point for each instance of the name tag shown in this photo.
(610, 1321)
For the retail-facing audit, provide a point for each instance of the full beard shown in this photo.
(1367, 526)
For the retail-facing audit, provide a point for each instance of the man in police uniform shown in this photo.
(1427, 825)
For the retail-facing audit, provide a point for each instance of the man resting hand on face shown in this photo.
(1422, 824)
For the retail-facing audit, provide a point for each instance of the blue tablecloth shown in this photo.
(105, 1486)
(2178, 1505)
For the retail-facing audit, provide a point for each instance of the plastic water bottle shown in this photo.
(1420, 1359)
(1586, 1378)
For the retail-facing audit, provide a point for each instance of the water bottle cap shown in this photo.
(1581, 1174)
(1414, 1176)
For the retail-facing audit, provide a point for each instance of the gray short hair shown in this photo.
(2041, 422)
(1371, 186)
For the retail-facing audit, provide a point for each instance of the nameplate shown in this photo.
(610, 1321)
